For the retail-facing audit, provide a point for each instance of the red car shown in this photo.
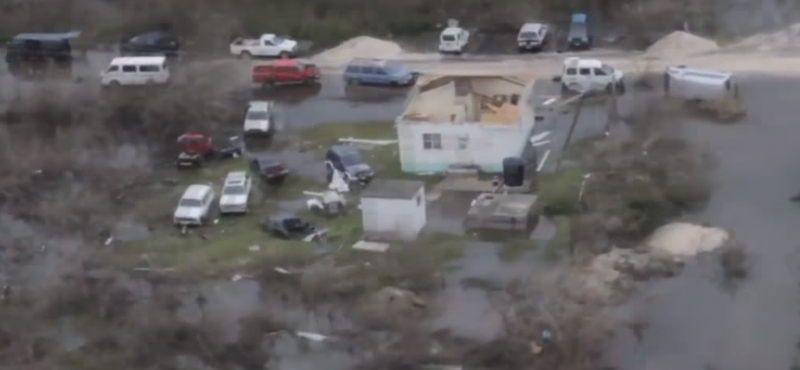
(286, 71)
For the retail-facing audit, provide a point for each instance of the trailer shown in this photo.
(697, 84)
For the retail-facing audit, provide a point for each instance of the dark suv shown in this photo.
(156, 42)
(347, 160)
(35, 53)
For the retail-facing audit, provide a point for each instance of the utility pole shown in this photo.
(571, 129)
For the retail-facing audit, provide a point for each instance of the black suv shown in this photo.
(347, 160)
(156, 42)
(35, 53)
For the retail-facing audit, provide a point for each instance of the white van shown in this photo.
(135, 71)
(453, 39)
(582, 75)
(698, 84)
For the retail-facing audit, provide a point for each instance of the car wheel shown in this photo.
(621, 88)
(114, 83)
(245, 55)
(564, 89)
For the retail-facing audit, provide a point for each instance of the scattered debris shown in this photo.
(316, 337)
(724, 110)
(109, 240)
(371, 246)
(254, 248)
(236, 277)
(367, 141)
(329, 203)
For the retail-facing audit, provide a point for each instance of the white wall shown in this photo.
(487, 145)
(393, 219)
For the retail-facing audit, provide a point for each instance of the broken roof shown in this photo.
(483, 99)
(392, 189)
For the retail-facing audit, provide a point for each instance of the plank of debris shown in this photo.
(371, 246)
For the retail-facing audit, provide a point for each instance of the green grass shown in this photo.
(558, 192)
(226, 244)
(560, 244)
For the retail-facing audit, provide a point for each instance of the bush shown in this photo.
(559, 192)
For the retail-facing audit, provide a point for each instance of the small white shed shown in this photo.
(393, 209)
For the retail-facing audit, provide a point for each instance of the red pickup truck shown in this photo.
(286, 71)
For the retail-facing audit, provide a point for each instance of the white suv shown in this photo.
(259, 118)
(587, 75)
(235, 193)
(194, 207)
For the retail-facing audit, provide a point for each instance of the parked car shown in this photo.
(532, 37)
(194, 208)
(348, 161)
(268, 45)
(259, 117)
(154, 42)
(273, 172)
(699, 84)
(136, 71)
(32, 53)
(286, 71)
(377, 72)
(287, 227)
(453, 39)
(580, 37)
(235, 193)
(586, 75)
(195, 148)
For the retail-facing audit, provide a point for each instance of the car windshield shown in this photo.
(577, 31)
(234, 190)
(351, 158)
(448, 38)
(528, 35)
(278, 40)
(257, 115)
(187, 202)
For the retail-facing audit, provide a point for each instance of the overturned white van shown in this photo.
(697, 84)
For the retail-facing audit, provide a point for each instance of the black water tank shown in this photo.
(513, 171)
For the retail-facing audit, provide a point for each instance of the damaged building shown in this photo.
(464, 121)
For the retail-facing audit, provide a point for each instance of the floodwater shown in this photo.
(693, 323)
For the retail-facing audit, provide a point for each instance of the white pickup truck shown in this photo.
(268, 45)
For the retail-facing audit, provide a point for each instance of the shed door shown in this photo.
(370, 214)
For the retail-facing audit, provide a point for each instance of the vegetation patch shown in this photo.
(559, 191)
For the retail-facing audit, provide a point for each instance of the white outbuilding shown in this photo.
(393, 209)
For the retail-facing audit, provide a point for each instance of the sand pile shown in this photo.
(686, 240)
(679, 43)
(786, 38)
(360, 47)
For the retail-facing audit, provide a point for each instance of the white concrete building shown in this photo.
(393, 209)
(472, 121)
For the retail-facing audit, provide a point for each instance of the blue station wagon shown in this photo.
(377, 72)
